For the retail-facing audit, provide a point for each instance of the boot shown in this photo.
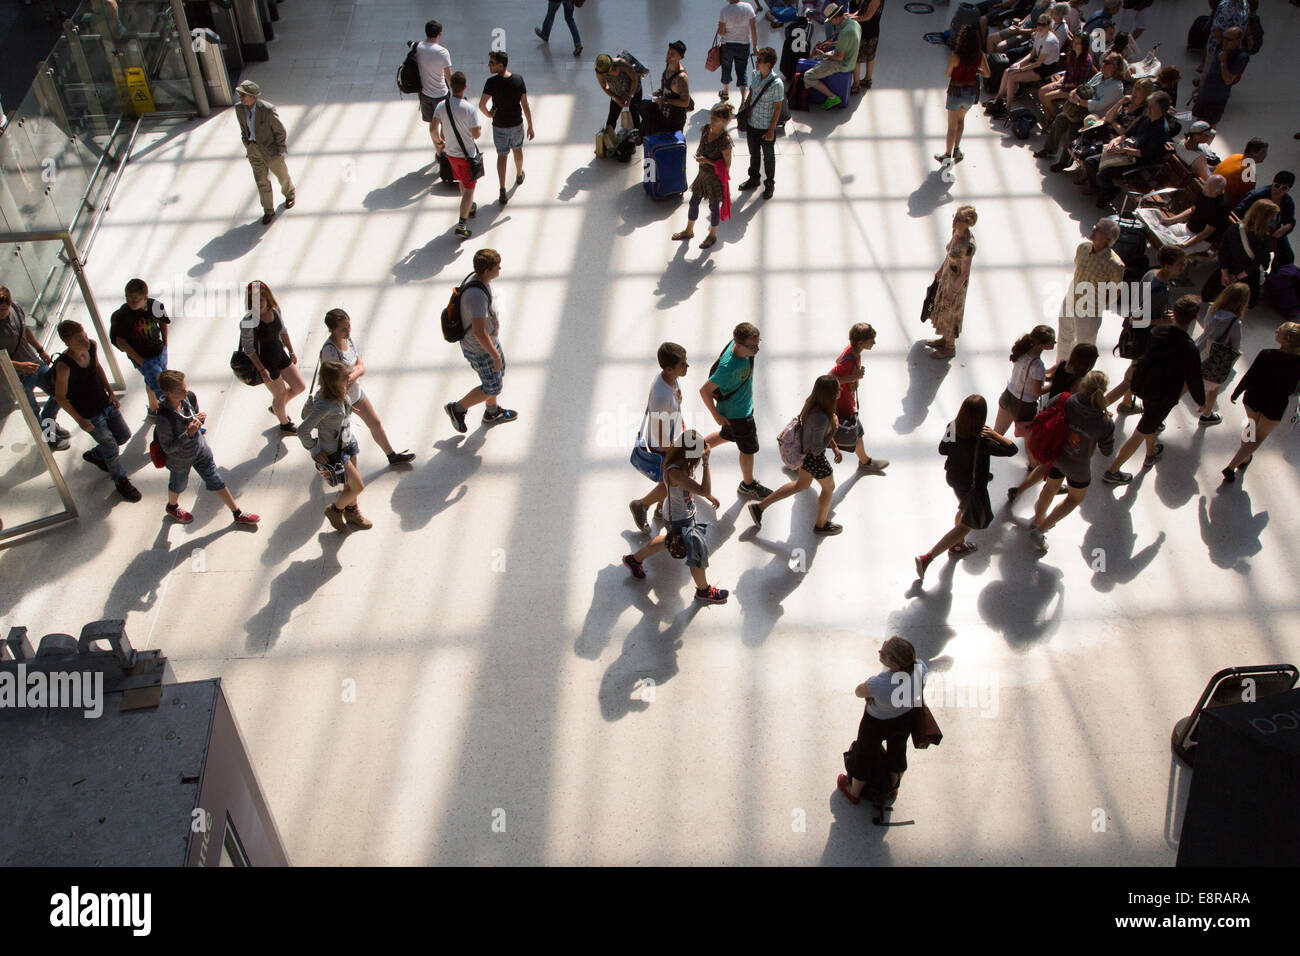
(353, 516)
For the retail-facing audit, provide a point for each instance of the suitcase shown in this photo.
(1283, 290)
(966, 14)
(664, 165)
(837, 83)
(798, 41)
(1198, 34)
(1131, 247)
(998, 64)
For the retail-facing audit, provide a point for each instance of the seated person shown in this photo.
(1201, 225)
(1038, 64)
(1144, 143)
(998, 13)
(836, 56)
(1167, 81)
(1016, 35)
(1058, 12)
(1106, 90)
(1194, 150)
(1078, 69)
(1127, 111)
(1234, 167)
(622, 84)
(1107, 13)
(1279, 192)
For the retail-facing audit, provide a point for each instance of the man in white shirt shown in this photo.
(455, 126)
(663, 422)
(736, 31)
(435, 71)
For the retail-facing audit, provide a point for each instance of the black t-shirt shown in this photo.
(506, 93)
(86, 389)
(1210, 211)
(140, 328)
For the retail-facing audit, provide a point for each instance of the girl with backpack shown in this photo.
(1019, 400)
(339, 348)
(1220, 344)
(967, 445)
(1066, 377)
(817, 425)
(1090, 428)
(683, 536)
(329, 414)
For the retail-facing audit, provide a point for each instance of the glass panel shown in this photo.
(30, 492)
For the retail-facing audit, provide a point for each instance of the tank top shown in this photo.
(270, 350)
(681, 503)
(964, 74)
(86, 391)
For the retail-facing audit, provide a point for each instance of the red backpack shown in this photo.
(1048, 431)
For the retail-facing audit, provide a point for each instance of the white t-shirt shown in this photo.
(894, 693)
(432, 58)
(467, 118)
(1050, 46)
(1026, 369)
(736, 18)
(664, 421)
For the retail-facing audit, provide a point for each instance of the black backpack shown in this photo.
(453, 326)
(408, 74)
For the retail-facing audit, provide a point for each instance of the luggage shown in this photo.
(1253, 41)
(966, 14)
(1131, 247)
(1021, 122)
(797, 93)
(1198, 34)
(1283, 290)
(998, 64)
(664, 165)
(798, 42)
(837, 83)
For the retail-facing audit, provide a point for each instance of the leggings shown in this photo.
(634, 106)
(715, 211)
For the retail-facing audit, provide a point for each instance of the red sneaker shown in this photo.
(842, 782)
(179, 514)
(634, 566)
(245, 518)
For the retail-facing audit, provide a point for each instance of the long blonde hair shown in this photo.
(1092, 389)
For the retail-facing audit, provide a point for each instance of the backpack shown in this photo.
(408, 74)
(1048, 431)
(453, 325)
(1021, 122)
(1254, 38)
(790, 443)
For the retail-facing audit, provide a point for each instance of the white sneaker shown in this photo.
(1039, 539)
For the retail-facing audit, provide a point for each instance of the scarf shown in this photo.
(720, 168)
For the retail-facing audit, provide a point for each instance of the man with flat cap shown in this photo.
(264, 140)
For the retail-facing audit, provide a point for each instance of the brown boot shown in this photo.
(335, 517)
(353, 516)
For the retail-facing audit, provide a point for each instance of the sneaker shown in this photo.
(874, 466)
(922, 562)
(540, 35)
(942, 158)
(1039, 539)
(577, 50)
(95, 460)
(127, 490)
(1128, 408)
(1059, 167)
(756, 512)
(473, 210)
(335, 517)
(1213, 418)
(639, 516)
(1229, 476)
(59, 444)
(266, 218)
(401, 457)
(635, 566)
(462, 231)
(243, 517)
(842, 784)
(457, 417)
(1116, 477)
(769, 191)
(711, 595)
(61, 432)
(502, 197)
(958, 155)
(831, 103)
(353, 516)
(1155, 456)
(289, 201)
(757, 491)
(502, 415)
(750, 183)
(179, 514)
(828, 528)
(289, 428)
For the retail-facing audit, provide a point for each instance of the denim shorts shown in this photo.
(179, 478)
(961, 97)
(697, 550)
(506, 138)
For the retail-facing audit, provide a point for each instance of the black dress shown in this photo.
(1270, 382)
(968, 474)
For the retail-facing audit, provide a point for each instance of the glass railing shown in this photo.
(33, 494)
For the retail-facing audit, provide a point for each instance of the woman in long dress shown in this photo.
(953, 277)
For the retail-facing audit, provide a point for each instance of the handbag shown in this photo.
(925, 729)
(713, 61)
(675, 540)
(928, 305)
(476, 167)
(847, 433)
(1218, 363)
(625, 119)
(156, 454)
(1110, 159)
(1076, 113)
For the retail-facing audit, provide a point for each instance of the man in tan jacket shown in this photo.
(265, 145)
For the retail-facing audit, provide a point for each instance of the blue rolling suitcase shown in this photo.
(664, 167)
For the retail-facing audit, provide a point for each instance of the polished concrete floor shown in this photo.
(477, 679)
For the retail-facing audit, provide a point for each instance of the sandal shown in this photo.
(679, 236)
(709, 243)
(855, 88)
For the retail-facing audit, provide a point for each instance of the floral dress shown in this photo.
(707, 185)
(950, 297)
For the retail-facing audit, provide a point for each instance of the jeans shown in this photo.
(551, 7)
(44, 413)
(110, 430)
(715, 211)
(761, 149)
(149, 371)
(179, 478)
(737, 54)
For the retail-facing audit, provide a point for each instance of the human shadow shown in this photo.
(761, 592)
(290, 589)
(924, 377)
(1108, 544)
(1229, 529)
(294, 530)
(636, 209)
(742, 213)
(241, 475)
(924, 619)
(441, 482)
(934, 191)
(853, 840)
(582, 179)
(136, 587)
(1017, 604)
(228, 247)
(682, 277)
(404, 190)
(1175, 478)
(648, 658)
(429, 260)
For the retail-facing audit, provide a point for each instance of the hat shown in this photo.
(1200, 126)
(249, 87)
(1091, 121)
(832, 10)
(679, 46)
(603, 63)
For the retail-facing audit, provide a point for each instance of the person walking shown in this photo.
(264, 339)
(509, 110)
(1268, 385)
(139, 330)
(434, 62)
(33, 365)
(951, 280)
(1097, 274)
(1220, 344)
(1065, 378)
(877, 759)
(729, 397)
(662, 423)
(848, 373)
(738, 33)
(481, 345)
(684, 536)
(544, 31)
(1244, 251)
(339, 348)
(1170, 363)
(965, 66)
(1156, 299)
(265, 144)
(712, 182)
(967, 445)
(456, 126)
(760, 113)
(1090, 428)
(1019, 400)
(179, 433)
(81, 388)
(326, 432)
(817, 424)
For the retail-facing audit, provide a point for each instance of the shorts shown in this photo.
(349, 452)
(179, 478)
(1048, 70)
(460, 169)
(1021, 411)
(427, 105)
(743, 432)
(961, 97)
(823, 69)
(274, 363)
(150, 368)
(1056, 475)
(506, 138)
(1154, 415)
(697, 549)
(481, 362)
(816, 465)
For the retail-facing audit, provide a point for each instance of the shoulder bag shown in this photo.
(925, 729)
(1221, 357)
(743, 114)
(643, 459)
(476, 168)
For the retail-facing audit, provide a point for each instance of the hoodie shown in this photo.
(1090, 429)
(1170, 362)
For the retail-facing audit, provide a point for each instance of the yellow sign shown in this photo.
(138, 90)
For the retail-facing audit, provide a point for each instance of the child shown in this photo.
(180, 433)
(819, 423)
(1222, 326)
(679, 515)
(139, 330)
(329, 414)
(1019, 401)
(848, 372)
